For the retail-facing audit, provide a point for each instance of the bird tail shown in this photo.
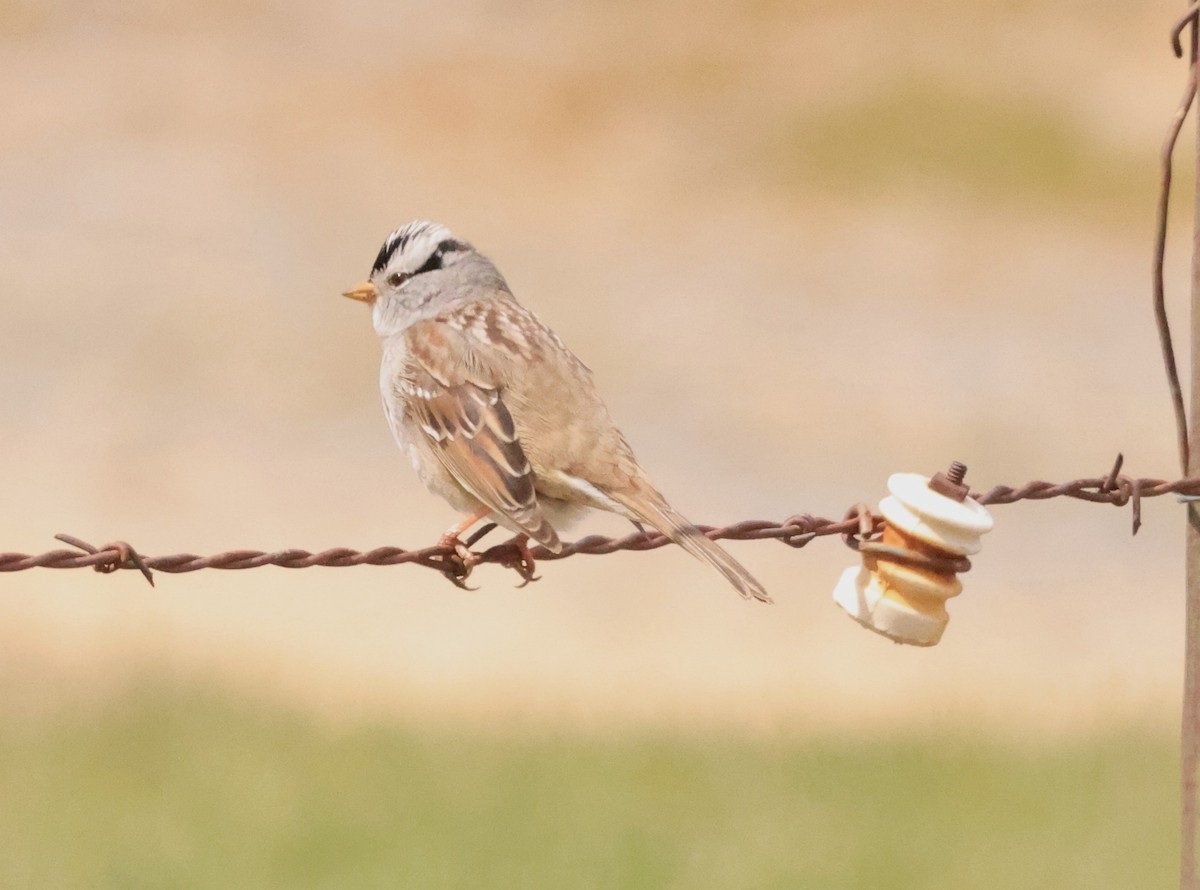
(652, 508)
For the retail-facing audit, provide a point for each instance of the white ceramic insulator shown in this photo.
(950, 525)
(861, 594)
(903, 603)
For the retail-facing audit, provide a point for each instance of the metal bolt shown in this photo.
(950, 483)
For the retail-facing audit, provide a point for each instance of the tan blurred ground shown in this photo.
(801, 245)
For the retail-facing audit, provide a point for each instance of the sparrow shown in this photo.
(495, 413)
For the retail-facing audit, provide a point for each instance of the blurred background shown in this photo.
(801, 245)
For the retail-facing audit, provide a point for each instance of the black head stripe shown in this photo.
(435, 258)
(390, 246)
(399, 239)
(434, 262)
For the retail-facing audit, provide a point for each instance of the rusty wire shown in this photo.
(1189, 748)
(859, 524)
(1188, 20)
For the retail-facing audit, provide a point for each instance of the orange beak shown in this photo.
(364, 292)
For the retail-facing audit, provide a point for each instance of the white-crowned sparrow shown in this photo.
(495, 413)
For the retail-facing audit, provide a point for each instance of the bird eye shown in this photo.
(397, 278)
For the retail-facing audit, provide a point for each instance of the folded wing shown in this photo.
(470, 429)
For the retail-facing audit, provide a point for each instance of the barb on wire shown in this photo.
(126, 556)
(1188, 19)
(857, 527)
(1191, 18)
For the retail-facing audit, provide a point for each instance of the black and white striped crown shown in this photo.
(409, 234)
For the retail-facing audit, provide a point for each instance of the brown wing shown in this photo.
(472, 432)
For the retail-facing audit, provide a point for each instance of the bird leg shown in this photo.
(460, 561)
(514, 554)
(480, 533)
(450, 537)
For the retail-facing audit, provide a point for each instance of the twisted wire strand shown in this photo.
(795, 531)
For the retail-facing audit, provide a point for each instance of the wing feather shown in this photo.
(471, 430)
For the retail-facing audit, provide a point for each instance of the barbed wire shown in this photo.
(457, 562)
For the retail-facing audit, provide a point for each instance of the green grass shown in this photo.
(172, 788)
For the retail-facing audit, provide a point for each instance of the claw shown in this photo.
(514, 554)
(458, 580)
(459, 561)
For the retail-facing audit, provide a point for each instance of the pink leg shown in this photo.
(451, 535)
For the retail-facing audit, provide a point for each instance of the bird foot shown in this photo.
(514, 554)
(459, 561)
